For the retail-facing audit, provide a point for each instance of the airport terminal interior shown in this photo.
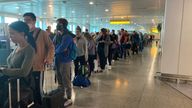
(158, 75)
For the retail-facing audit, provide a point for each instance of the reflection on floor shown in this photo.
(130, 84)
(186, 89)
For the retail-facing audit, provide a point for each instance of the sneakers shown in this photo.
(68, 103)
(109, 67)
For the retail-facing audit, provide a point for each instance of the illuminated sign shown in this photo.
(120, 22)
(154, 30)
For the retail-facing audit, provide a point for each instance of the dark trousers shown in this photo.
(38, 86)
(81, 60)
(3, 90)
(116, 52)
(102, 58)
(91, 63)
(135, 48)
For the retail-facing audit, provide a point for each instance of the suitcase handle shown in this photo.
(18, 91)
(49, 71)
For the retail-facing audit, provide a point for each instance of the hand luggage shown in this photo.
(52, 97)
(82, 79)
(23, 99)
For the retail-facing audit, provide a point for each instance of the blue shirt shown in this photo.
(62, 49)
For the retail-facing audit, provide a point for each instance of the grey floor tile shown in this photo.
(130, 84)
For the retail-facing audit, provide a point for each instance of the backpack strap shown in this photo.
(37, 34)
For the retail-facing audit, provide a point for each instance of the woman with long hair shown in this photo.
(20, 60)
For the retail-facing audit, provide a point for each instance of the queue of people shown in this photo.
(36, 48)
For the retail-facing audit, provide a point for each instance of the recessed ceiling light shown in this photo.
(62, 16)
(50, 6)
(91, 3)
(73, 11)
(106, 10)
(17, 7)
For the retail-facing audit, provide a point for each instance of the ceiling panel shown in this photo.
(138, 11)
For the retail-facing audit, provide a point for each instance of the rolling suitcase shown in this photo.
(20, 101)
(52, 97)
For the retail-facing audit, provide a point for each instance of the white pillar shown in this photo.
(177, 41)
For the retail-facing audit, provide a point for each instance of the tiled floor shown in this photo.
(130, 84)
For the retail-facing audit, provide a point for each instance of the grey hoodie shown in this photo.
(81, 46)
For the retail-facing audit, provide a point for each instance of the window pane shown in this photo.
(9, 20)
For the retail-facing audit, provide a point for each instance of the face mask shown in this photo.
(60, 27)
(30, 26)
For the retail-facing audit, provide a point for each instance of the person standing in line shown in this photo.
(110, 53)
(103, 42)
(135, 42)
(114, 38)
(91, 53)
(81, 52)
(19, 62)
(63, 42)
(44, 54)
(123, 44)
(51, 34)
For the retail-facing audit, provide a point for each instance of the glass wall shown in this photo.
(9, 20)
(39, 24)
(70, 27)
(0, 19)
(83, 30)
(73, 29)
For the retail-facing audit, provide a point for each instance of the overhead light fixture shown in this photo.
(97, 18)
(91, 3)
(20, 14)
(106, 10)
(73, 12)
(50, 6)
(17, 7)
(87, 15)
(122, 17)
